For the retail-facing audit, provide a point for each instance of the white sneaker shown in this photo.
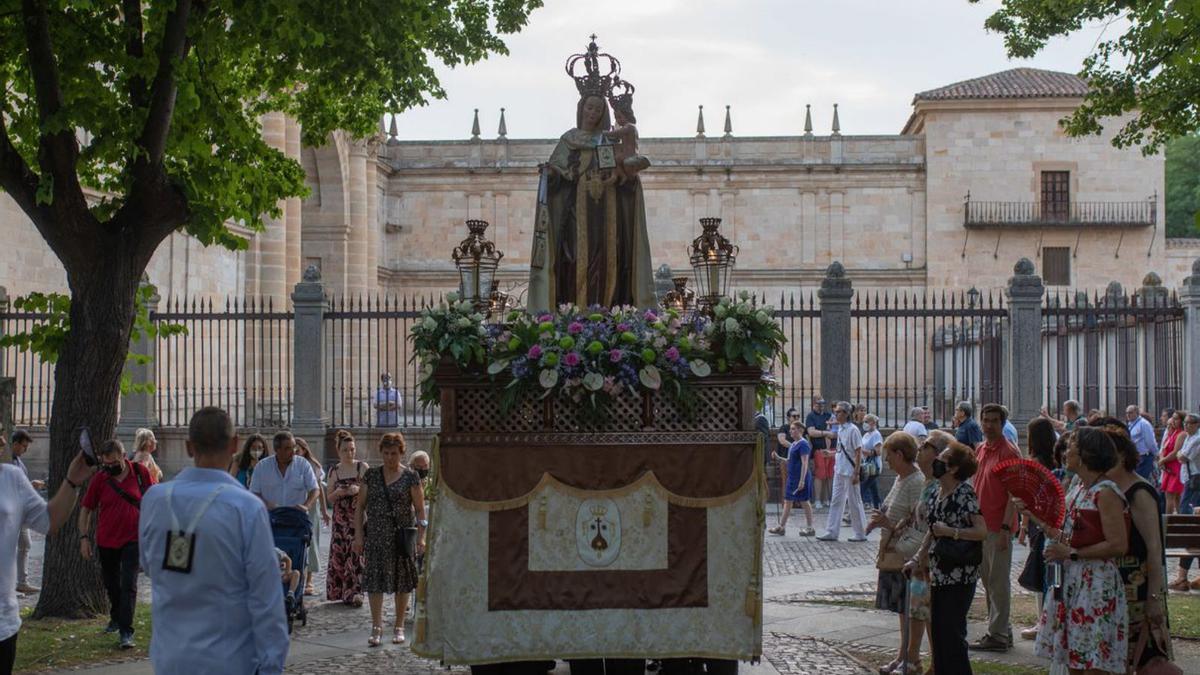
(826, 537)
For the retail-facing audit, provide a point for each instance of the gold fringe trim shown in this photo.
(423, 651)
(752, 483)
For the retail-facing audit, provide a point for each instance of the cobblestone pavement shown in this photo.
(795, 655)
(387, 659)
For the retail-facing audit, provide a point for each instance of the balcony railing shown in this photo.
(978, 214)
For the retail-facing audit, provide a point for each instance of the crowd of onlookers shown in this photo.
(949, 523)
(207, 539)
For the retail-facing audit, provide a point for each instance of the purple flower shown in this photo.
(650, 316)
(535, 352)
(622, 327)
(615, 356)
(544, 318)
(672, 354)
(575, 328)
(571, 359)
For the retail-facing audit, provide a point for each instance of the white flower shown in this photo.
(732, 325)
(700, 368)
(463, 322)
(709, 328)
(593, 381)
(429, 323)
(743, 309)
(548, 378)
(426, 371)
(463, 307)
(719, 311)
(744, 295)
(762, 317)
(650, 377)
(452, 296)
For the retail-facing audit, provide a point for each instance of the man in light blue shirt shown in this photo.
(226, 614)
(1010, 433)
(279, 480)
(1142, 434)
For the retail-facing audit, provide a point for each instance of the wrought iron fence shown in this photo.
(365, 338)
(1100, 214)
(1108, 351)
(34, 377)
(926, 349)
(237, 355)
(801, 379)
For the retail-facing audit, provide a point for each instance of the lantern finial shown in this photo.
(712, 257)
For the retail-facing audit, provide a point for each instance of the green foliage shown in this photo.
(52, 324)
(1152, 69)
(331, 65)
(1183, 187)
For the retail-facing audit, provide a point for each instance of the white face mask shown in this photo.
(255, 453)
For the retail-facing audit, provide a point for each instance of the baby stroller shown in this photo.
(292, 531)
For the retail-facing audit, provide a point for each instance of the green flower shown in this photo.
(721, 365)
(550, 359)
(648, 355)
(595, 317)
(514, 342)
(628, 337)
(683, 343)
(546, 326)
(566, 342)
(595, 347)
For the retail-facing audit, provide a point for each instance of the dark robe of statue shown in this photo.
(590, 242)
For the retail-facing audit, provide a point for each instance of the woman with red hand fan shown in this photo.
(1041, 446)
(1085, 623)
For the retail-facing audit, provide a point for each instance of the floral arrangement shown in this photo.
(592, 355)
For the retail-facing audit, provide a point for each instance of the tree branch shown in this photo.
(162, 92)
(17, 179)
(131, 11)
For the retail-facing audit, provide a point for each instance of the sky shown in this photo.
(764, 58)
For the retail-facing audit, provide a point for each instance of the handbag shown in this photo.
(869, 468)
(406, 537)
(1033, 575)
(1086, 529)
(1158, 665)
(956, 553)
(902, 543)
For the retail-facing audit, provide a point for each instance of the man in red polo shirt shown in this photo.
(115, 496)
(1000, 517)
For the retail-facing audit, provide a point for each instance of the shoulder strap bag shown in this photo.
(135, 502)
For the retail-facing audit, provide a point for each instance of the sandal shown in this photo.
(309, 590)
(909, 668)
(376, 638)
(777, 531)
(886, 670)
(398, 636)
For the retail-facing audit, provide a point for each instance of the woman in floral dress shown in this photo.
(389, 502)
(343, 579)
(1085, 622)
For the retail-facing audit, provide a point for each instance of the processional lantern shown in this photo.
(680, 298)
(499, 302)
(476, 259)
(712, 258)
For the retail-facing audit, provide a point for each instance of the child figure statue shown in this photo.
(629, 162)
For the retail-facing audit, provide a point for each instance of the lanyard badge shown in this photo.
(181, 543)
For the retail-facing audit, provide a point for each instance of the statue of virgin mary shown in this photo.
(590, 245)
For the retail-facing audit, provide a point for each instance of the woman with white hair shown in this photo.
(144, 446)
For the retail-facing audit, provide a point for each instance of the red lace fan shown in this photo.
(1032, 483)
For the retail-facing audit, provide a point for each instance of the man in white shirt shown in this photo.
(280, 480)
(216, 592)
(21, 440)
(847, 459)
(915, 427)
(22, 507)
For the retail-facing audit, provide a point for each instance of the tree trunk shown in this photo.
(87, 381)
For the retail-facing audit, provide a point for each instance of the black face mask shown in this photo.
(423, 473)
(939, 468)
(112, 469)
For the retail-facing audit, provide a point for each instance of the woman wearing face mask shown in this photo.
(954, 514)
(253, 450)
(872, 441)
(343, 579)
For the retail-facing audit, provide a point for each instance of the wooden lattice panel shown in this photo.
(479, 412)
(717, 409)
(624, 414)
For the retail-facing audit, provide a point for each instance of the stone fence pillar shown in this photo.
(1024, 377)
(1190, 296)
(138, 408)
(309, 415)
(835, 294)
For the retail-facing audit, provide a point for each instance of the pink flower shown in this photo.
(650, 316)
(615, 356)
(571, 359)
(544, 318)
(535, 352)
(575, 328)
(672, 354)
(622, 327)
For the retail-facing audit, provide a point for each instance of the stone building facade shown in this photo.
(383, 214)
